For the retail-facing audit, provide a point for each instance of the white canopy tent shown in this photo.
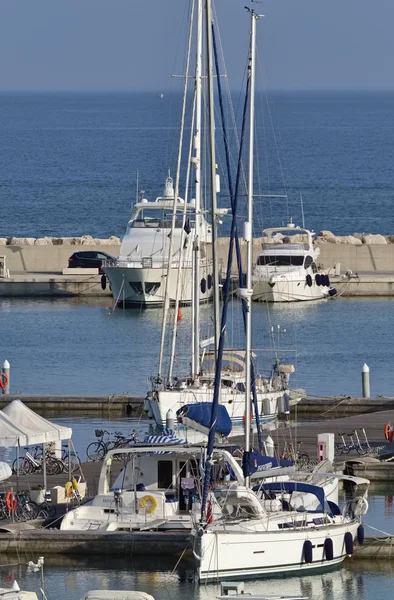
(37, 429)
(20, 426)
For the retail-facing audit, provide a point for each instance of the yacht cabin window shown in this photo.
(283, 260)
(157, 218)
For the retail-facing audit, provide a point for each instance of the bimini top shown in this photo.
(296, 486)
(233, 362)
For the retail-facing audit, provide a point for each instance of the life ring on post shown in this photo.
(4, 379)
(387, 430)
(10, 501)
(152, 501)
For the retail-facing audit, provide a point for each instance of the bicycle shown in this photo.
(33, 463)
(97, 450)
(342, 448)
(296, 456)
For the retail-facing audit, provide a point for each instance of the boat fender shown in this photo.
(361, 507)
(309, 280)
(328, 549)
(348, 541)
(308, 551)
(203, 285)
(318, 279)
(360, 534)
(387, 429)
(151, 500)
(327, 281)
(209, 278)
(332, 292)
(103, 282)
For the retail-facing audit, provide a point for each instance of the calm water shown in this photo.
(75, 346)
(69, 161)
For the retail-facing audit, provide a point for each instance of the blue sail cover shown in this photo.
(254, 462)
(201, 412)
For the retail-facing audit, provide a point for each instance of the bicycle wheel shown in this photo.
(73, 461)
(362, 450)
(302, 460)
(46, 511)
(338, 449)
(345, 449)
(96, 451)
(30, 510)
(53, 466)
(25, 466)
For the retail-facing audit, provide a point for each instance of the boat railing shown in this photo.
(146, 263)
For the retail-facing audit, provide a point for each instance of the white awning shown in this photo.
(35, 428)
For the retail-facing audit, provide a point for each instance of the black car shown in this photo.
(89, 260)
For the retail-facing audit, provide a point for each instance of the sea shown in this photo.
(69, 164)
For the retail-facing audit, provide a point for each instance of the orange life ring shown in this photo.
(4, 379)
(387, 429)
(9, 500)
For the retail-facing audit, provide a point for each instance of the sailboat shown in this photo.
(170, 393)
(247, 540)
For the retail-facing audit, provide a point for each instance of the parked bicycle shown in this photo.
(361, 446)
(97, 450)
(32, 462)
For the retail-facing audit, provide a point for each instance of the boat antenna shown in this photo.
(302, 211)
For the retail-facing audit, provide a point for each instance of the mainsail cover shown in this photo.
(201, 412)
(254, 462)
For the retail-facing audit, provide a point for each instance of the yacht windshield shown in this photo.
(157, 218)
(281, 261)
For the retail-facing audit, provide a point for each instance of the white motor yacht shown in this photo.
(286, 269)
(138, 276)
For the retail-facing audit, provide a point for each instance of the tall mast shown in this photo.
(211, 114)
(197, 164)
(248, 235)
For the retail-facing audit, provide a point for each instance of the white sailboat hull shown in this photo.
(234, 401)
(245, 554)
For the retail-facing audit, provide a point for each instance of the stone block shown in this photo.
(45, 241)
(326, 237)
(87, 240)
(349, 239)
(14, 241)
(3, 241)
(371, 238)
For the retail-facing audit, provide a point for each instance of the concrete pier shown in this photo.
(37, 270)
(126, 404)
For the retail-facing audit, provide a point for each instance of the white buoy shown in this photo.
(170, 419)
(365, 381)
(269, 446)
(5, 377)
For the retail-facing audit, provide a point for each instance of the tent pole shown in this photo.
(17, 467)
(69, 460)
(44, 466)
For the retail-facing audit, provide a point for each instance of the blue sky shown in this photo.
(136, 44)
